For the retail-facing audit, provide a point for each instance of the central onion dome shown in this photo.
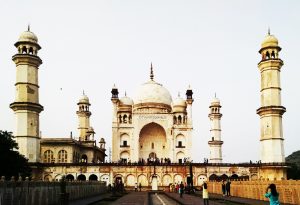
(152, 92)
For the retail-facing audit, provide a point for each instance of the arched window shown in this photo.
(120, 119)
(124, 140)
(180, 141)
(175, 120)
(48, 156)
(125, 118)
(179, 119)
(62, 156)
(273, 54)
(130, 119)
(152, 145)
(24, 49)
(84, 158)
(30, 50)
(268, 55)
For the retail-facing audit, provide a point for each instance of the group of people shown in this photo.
(136, 187)
(226, 188)
(178, 188)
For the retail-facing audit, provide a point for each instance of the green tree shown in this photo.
(12, 163)
(294, 171)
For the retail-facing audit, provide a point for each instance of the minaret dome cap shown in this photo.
(215, 101)
(28, 36)
(84, 99)
(269, 41)
(126, 101)
(179, 101)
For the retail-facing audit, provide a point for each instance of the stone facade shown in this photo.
(151, 126)
(165, 173)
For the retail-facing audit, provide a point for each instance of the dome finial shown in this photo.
(125, 93)
(83, 92)
(28, 28)
(215, 95)
(178, 94)
(269, 33)
(151, 72)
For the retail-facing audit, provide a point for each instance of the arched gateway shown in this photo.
(153, 143)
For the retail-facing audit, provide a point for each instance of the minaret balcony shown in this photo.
(215, 142)
(27, 59)
(271, 110)
(26, 106)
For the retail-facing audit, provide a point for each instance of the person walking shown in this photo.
(181, 188)
(205, 194)
(272, 194)
(227, 187)
(135, 187)
(223, 188)
(140, 186)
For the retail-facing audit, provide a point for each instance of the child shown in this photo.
(272, 194)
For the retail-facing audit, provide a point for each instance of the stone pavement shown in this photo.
(89, 200)
(133, 198)
(141, 198)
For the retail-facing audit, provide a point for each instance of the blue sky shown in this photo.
(210, 45)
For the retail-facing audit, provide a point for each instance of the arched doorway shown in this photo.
(81, 177)
(124, 156)
(180, 157)
(153, 141)
(224, 177)
(178, 179)
(213, 177)
(70, 177)
(166, 180)
(143, 180)
(130, 180)
(93, 177)
(234, 177)
(154, 183)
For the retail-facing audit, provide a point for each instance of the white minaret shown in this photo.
(26, 106)
(215, 144)
(84, 118)
(271, 110)
(115, 139)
